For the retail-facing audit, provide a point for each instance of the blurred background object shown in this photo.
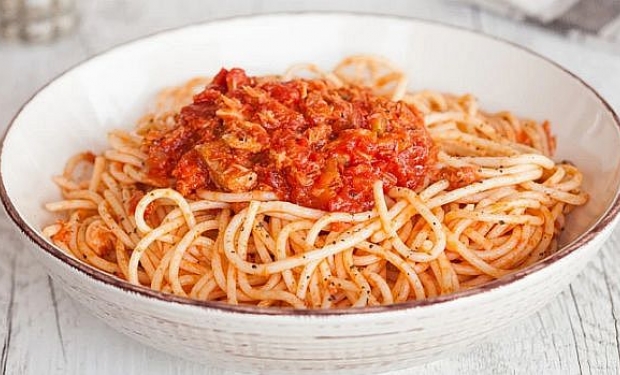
(36, 20)
(577, 18)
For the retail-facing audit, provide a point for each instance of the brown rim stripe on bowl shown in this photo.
(605, 221)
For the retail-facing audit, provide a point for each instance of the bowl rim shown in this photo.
(603, 223)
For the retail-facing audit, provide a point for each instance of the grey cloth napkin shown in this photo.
(599, 19)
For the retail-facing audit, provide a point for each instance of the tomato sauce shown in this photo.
(312, 143)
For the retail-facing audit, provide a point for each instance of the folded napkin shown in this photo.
(597, 17)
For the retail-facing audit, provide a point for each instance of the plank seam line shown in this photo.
(613, 307)
(572, 329)
(9, 320)
(583, 330)
(57, 319)
(544, 333)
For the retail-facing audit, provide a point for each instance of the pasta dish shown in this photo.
(316, 189)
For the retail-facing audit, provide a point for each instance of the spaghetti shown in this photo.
(480, 199)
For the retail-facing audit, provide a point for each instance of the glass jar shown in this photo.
(36, 20)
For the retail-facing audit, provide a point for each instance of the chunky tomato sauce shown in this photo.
(312, 143)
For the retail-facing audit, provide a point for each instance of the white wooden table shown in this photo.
(42, 331)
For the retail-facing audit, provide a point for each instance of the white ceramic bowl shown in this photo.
(75, 111)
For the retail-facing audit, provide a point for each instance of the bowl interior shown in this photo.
(109, 91)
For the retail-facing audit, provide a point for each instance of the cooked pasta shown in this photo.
(381, 197)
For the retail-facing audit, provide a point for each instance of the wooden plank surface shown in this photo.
(42, 331)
